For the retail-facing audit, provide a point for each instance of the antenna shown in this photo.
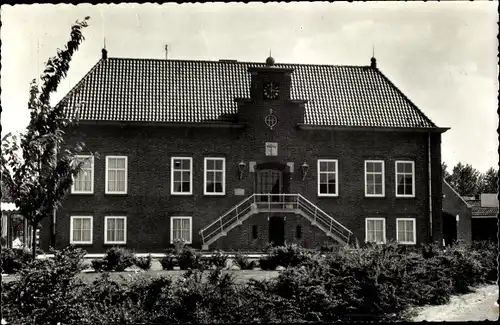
(270, 55)
(104, 42)
(373, 51)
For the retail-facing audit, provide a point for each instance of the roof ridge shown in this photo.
(238, 62)
(405, 97)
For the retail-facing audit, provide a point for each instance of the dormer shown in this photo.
(270, 83)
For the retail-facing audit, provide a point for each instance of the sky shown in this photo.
(442, 55)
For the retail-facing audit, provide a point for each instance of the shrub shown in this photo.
(217, 259)
(168, 262)
(243, 262)
(189, 259)
(46, 292)
(99, 265)
(144, 263)
(14, 259)
(118, 259)
(286, 256)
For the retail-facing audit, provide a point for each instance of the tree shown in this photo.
(446, 174)
(465, 179)
(36, 172)
(489, 182)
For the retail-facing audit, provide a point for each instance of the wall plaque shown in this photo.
(239, 191)
(271, 148)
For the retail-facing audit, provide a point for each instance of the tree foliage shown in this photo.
(36, 172)
(468, 181)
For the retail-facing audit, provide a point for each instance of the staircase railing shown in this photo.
(291, 203)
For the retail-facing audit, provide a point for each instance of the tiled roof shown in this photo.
(148, 90)
(478, 210)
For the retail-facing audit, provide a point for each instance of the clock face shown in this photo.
(271, 90)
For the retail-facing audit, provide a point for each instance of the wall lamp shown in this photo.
(241, 168)
(305, 169)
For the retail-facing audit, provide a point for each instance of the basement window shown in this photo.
(298, 232)
(254, 232)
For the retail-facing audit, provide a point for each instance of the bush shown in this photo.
(14, 259)
(286, 256)
(47, 292)
(99, 265)
(168, 262)
(144, 263)
(189, 259)
(243, 262)
(217, 259)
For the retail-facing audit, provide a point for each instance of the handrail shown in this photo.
(297, 201)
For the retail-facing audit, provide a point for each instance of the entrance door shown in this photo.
(277, 231)
(449, 229)
(269, 181)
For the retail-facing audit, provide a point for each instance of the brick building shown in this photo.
(236, 155)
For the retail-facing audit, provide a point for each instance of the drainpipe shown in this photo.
(54, 229)
(430, 184)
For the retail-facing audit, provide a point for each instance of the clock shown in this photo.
(271, 90)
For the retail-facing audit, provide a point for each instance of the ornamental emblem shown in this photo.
(271, 120)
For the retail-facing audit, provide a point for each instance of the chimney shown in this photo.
(166, 52)
(373, 63)
(104, 54)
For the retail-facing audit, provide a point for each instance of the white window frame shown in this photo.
(74, 242)
(366, 178)
(107, 191)
(73, 191)
(223, 192)
(384, 229)
(190, 228)
(413, 177)
(106, 241)
(172, 188)
(414, 221)
(319, 172)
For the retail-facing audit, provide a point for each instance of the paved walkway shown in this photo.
(477, 306)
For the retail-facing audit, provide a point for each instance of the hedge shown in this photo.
(374, 283)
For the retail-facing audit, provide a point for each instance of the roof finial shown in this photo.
(270, 60)
(104, 42)
(373, 60)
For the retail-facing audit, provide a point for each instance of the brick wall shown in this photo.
(453, 204)
(149, 205)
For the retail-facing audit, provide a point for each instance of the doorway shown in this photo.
(277, 230)
(269, 181)
(449, 229)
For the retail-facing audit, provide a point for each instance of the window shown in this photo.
(298, 232)
(180, 227)
(406, 231)
(254, 232)
(375, 230)
(81, 230)
(115, 230)
(182, 176)
(116, 175)
(215, 178)
(83, 183)
(405, 179)
(374, 178)
(327, 177)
